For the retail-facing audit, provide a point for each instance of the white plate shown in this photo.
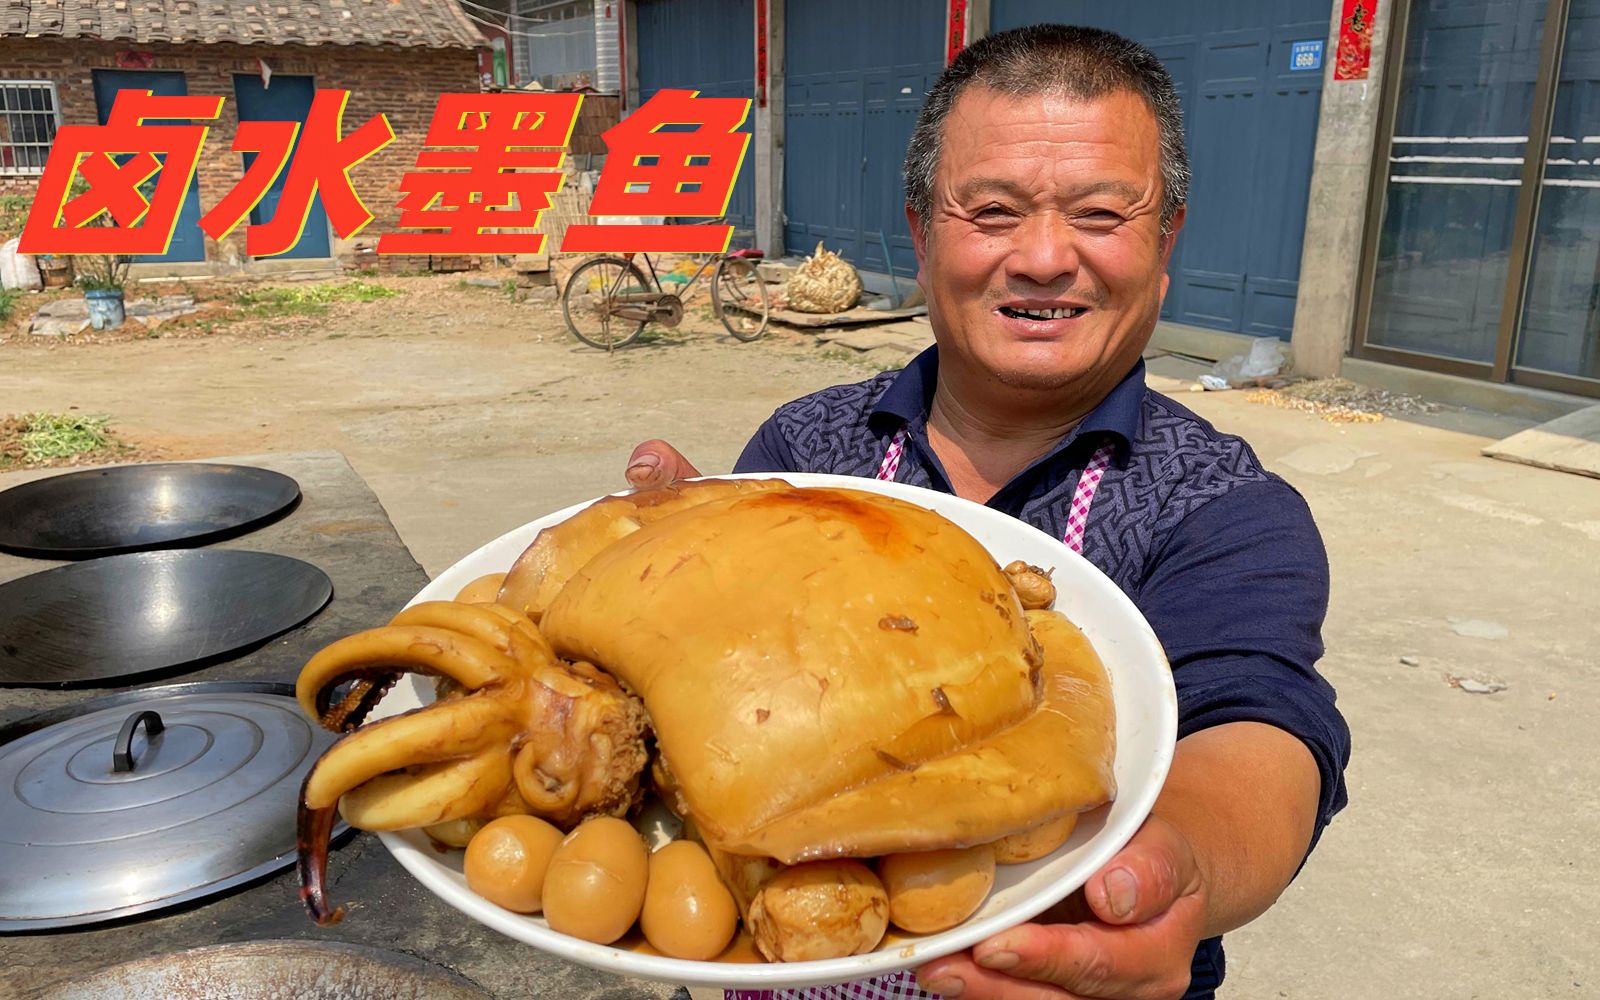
(1146, 719)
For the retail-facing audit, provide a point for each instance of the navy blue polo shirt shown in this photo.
(1222, 557)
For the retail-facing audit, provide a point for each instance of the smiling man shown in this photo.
(1045, 188)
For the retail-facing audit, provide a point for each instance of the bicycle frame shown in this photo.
(690, 289)
(693, 285)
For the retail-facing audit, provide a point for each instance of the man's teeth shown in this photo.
(1066, 313)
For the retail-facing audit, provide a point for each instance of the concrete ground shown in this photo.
(1465, 865)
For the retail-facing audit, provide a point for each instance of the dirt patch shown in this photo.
(468, 411)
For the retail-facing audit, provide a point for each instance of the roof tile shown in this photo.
(413, 24)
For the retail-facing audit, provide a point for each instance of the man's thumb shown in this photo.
(1143, 880)
(656, 463)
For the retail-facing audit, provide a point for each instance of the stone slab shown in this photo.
(873, 338)
(341, 527)
(855, 316)
(1565, 444)
(65, 317)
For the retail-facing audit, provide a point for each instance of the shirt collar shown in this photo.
(909, 399)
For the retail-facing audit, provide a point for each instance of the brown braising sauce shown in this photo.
(877, 527)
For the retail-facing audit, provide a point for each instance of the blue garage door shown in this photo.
(709, 46)
(188, 242)
(856, 76)
(288, 99)
(1251, 117)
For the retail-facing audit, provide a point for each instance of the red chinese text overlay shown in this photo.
(501, 174)
(66, 224)
(654, 168)
(492, 164)
(321, 163)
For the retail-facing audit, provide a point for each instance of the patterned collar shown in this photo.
(909, 398)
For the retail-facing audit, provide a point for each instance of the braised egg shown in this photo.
(595, 886)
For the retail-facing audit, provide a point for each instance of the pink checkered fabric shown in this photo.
(891, 458)
(892, 986)
(1083, 496)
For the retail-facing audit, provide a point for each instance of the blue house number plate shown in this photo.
(1304, 56)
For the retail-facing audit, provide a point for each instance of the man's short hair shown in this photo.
(1075, 62)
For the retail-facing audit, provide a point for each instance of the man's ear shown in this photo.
(1169, 239)
(918, 241)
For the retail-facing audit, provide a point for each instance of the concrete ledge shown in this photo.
(176, 269)
(1198, 342)
(1494, 397)
(278, 266)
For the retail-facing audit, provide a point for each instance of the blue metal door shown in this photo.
(709, 46)
(856, 75)
(188, 242)
(1250, 110)
(286, 99)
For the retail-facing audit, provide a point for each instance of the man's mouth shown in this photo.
(1064, 312)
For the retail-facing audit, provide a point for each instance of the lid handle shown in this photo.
(122, 753)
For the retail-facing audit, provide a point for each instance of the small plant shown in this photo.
(103, 272)
(62, 435)
(8, 303)
(343, 291)
(13, 213)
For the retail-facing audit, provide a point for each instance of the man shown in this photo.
(1046, 184)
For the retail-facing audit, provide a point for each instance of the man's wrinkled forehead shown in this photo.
(984, 123)
(1058, 101)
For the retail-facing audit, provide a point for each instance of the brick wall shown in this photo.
(403, 84)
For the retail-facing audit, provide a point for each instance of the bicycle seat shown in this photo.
(748, 253)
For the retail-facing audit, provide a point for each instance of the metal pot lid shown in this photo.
(150, 804)
(144, 613)
(131, 508)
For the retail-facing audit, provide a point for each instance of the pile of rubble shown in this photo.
(1341, 401)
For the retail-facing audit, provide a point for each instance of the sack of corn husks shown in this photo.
(825, 283)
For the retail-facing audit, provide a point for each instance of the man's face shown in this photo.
(1043, 260)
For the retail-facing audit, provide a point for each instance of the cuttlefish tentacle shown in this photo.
(511, 718)
(431, 793)
(452, 729)
(507, 630)
(419, 796)
(380, 655)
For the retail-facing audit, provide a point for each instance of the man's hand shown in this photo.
(656, 463)
(1147, 911)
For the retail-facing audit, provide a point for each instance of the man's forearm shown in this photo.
(1245, 797)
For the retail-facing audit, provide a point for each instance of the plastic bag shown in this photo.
(17, 270)
(1268, 356)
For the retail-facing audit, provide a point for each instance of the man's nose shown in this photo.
(1045, 251)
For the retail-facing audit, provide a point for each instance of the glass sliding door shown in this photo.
(1560, 328)
(1482, 254)
(1460, 134)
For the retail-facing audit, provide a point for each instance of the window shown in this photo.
(29, 117)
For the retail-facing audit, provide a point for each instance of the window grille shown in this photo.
(29, 117)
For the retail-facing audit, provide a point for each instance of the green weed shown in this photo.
(310, 300)
(62, 435)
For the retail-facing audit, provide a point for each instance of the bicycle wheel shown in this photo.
(739, 298)
(586, 302)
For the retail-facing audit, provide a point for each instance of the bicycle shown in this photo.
(608, 300)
